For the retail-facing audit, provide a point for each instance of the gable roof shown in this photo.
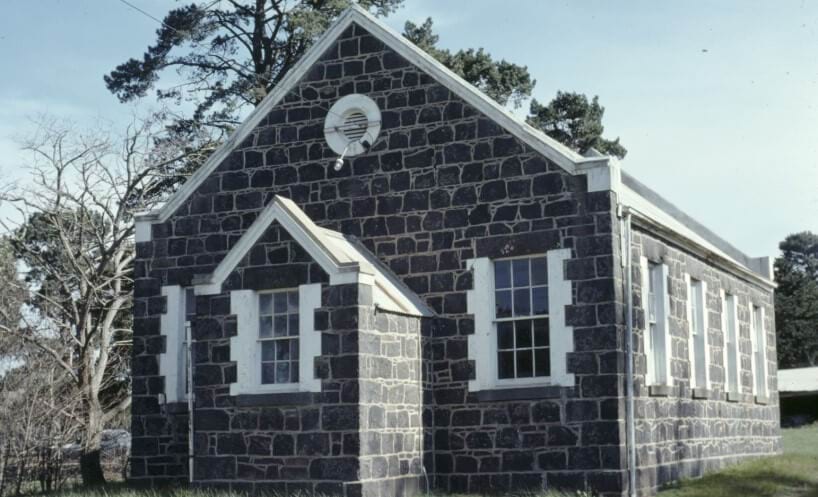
(343, 258)
(603, 172)
(550, 148)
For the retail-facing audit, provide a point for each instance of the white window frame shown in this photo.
(697, 320)
(758, 336)
(658, 367)
(483, 343)
(272, 338)
(729, 305)
(173, 326)
(245, 347)
(511, 382)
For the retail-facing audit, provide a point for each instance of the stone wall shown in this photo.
(680, 436)
(441, 185)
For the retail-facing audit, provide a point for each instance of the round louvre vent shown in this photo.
(352, 125)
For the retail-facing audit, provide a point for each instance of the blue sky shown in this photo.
(717, 102)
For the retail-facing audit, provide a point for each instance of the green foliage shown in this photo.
(501, 80)
(228, 55)
(576, 122)
(796, 301)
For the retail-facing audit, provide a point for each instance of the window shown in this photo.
(759, 351)
(731, 354)
(521, 318)
(278, 336)
(698, 335)
(656, 340)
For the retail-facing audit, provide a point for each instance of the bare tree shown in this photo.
(74, 236)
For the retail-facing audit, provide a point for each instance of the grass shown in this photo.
(792, 474)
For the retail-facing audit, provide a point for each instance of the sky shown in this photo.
(716, 101)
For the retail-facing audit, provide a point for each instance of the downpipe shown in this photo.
(624, 214)
(189, 381)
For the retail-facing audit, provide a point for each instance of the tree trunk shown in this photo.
(90, 460)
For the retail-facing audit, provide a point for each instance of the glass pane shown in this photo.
(505, 365)
(502, 302)
(522, 333)
(539, 271)
(519, 269)
(282, 350)
(292, 302)
(502, 274)
(294, 349)
(265, 303)
(190, 302)
(294, 371)
(265, 327)
(280, 329)
(267, 351)
(293, 319)
(539, 296)
(542, 362)
(280, 302)
(505, 335)
(522, 302)
(525, 368)
(282, 372)
(541, 338)
(268, 373)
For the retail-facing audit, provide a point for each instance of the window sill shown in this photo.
(762, 400)
(277, 398)
(517, 393)
(734, 397)
(701, 393)
(660, 390)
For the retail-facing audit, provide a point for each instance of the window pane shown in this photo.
(502, 274)
(294, 371)
(267, 351)
(280, 302)
(525, 368)
(294, 349)
(282, 350)
(541, 338)
(539, 296)
(519, 268)
(282, 372)
(522, 334)
(292, 302)
(293, 319)
(280, 328)
(505, 335)
(268, 373)
(265, 327)
(503, 304)
(190, 303)
(265, 303)
(542, 362)
(522, 302)
(539, 271)
(505, 365)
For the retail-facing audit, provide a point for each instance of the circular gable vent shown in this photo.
(352, 125)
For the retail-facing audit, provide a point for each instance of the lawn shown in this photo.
(793, 474)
